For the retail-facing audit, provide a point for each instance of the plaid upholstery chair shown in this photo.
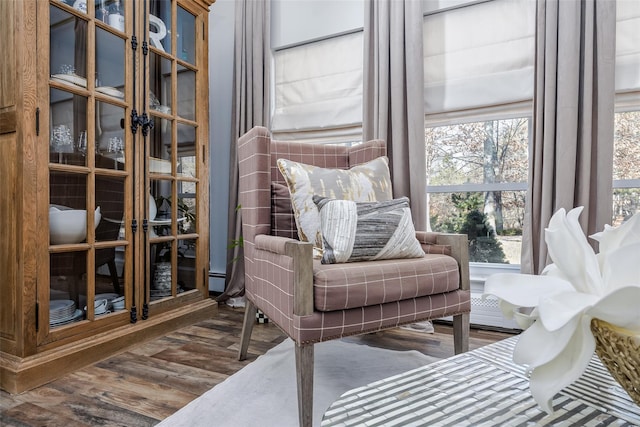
(284, 281)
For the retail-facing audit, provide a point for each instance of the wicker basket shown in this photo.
(619, 351)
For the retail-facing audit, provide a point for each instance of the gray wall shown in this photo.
(292, 22)
(221, 31)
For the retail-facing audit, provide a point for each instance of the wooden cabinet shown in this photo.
(104, 183)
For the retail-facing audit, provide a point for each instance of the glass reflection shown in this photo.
(109, 64)
(110, 196)
(186, 264)
(160, 25)
(67, 127)
(68, 48)
(160, 147)
(187, 207)
(161, 270)
(110, 136)
(187, 150)
(186, 36)
(159, 83)
(67, 291)
(186, 93)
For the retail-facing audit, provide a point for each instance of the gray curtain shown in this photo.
(393, 94)
(251, 108)
(572, 156)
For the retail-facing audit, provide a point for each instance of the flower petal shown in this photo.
(569, 250)
(568, 366)
(538, 346)
(557, 310)
(621, 267)
(613, 238)
(621, 308)
(524, 290)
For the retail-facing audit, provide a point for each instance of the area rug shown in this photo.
(264, 393)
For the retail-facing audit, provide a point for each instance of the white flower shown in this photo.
(576, 288)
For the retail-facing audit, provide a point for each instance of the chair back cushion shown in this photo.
(326, 156)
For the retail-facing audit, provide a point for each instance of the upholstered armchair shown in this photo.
(313, 302)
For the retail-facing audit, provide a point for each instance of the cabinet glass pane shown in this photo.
(161, 270)
(187, 207)
(67, 44)
(160, 147)
(186, 36)
(110, 71)
(110, 137)
(187, 150)
(68, 219)
(160, 25)
(110, 196)
(186, 264)
(186, 93)
(111, 12)
(160, 217)
(67, 127)
(67, 292)
(159, 83)
(109, 280)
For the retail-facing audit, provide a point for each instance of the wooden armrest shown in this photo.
(459, 244)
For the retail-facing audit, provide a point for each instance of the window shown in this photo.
(478, 92)
(626, 166)
(626, 160)
(476, 181)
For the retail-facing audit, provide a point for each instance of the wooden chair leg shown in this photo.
(461, 333)
(304, 377)
(250, 311)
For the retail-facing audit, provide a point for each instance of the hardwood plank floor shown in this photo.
(152, 380)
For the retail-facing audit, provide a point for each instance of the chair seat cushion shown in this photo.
(350, 285)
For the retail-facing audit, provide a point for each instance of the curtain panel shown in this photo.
(393, 107)
(252, 62)
(572, 154)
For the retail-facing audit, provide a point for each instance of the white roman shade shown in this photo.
(318, 90)
(478, 56)
(628, 50)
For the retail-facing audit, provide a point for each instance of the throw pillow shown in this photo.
(362, 231)
(368, 182)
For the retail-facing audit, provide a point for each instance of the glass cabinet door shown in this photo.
(88, 168)
(173, 184)
(124, 148)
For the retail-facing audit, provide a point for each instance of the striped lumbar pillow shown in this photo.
(366, 231)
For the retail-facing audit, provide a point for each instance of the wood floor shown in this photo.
(147, 383)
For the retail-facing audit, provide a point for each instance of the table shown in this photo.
(482, 387)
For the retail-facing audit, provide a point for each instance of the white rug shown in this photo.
(264, 394)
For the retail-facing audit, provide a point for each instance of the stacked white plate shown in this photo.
(63, 311)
